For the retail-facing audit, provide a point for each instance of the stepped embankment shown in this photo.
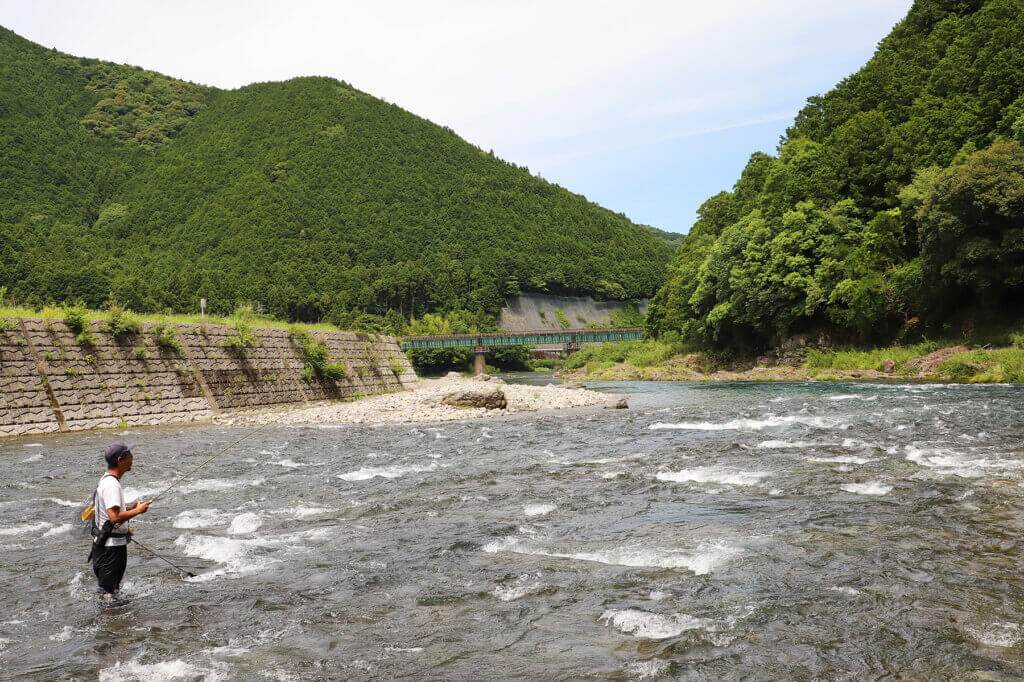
(52, 379)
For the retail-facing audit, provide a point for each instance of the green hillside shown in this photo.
(308, 196)
(894, 206)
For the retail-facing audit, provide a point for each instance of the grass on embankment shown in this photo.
(660, 359)
(245, 315)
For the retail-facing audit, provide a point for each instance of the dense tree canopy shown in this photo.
(893, 204)
(308, 196)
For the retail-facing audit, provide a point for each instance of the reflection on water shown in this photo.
(750, 530)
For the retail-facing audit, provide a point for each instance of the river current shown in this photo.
(745, 531)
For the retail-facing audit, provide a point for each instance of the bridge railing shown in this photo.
(522, 338)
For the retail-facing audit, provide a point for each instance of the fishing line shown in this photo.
(181, 478)
(212, 457)
(190, 574)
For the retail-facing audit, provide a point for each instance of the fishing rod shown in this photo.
(181, 478)
(207, 461)
(189, 574)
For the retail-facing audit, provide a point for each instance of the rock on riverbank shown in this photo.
(422, 402)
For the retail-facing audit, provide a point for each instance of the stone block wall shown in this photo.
(50, 381)
(24, 404)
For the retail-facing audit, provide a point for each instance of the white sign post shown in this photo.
(202, 308)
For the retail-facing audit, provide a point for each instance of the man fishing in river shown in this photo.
(109, 555)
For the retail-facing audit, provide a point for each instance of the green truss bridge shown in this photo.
(570, 340)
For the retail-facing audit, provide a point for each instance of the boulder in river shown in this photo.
(488, 377)
(492, 400)
(617, 404)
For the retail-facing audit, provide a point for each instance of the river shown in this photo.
(742, 531)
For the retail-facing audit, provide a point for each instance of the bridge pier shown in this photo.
(479, 361)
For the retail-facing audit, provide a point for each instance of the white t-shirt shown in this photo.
(110, 494)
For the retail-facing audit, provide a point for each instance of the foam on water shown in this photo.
(198, 518)
(245, 523)
(947, 461)
(783, 444)
(842, 589)
(841, 459)
(34, 458)
(752, 424)
(164, 671)
(65, 503)
(305, 512)
(210, 484)
(872, 488)
(292, 464)
(538, 509)
(655, 667)
(235, 554)
(712, 475)
(24, 528)
(652, 625)
(59, 530)
(612, 474)
(994, 634)
(33, 445)
(701, 561)
(64, 635)
(367, 473)
(520, 587)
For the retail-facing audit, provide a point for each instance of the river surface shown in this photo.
(745, 531)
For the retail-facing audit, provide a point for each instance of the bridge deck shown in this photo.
(572, 336)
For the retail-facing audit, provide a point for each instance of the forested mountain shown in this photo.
(893, 207)
(308, 196)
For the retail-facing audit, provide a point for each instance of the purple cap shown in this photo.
(116, 450)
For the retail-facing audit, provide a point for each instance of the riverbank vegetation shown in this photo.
(675, 360)
(891, 211)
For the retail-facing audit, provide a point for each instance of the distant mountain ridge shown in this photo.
(308, 196)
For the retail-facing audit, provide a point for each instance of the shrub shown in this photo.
(75, 319)
(959, 368)
(315, 357)
(239, 343)
(121, 322)
(166, 336)
(650, 353)
(563, 321)
(1011, 364)
(510, 358)
(608, 352)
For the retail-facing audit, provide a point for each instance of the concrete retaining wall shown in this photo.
(534, 312)
(51, 382)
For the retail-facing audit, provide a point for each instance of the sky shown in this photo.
(647, 107)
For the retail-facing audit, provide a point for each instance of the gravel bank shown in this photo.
(421, 402)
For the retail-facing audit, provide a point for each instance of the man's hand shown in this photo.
(141, 507)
